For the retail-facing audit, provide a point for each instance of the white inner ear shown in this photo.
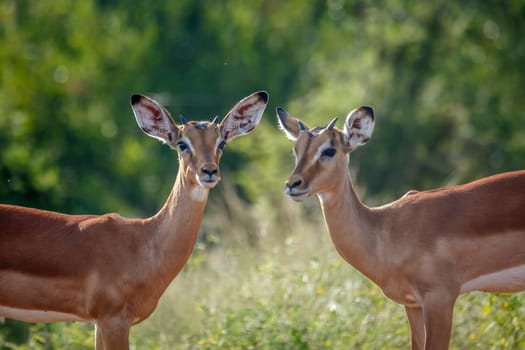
(154, 120)
(242, 125)
(358, 129)
(367, 126)
(238, 124)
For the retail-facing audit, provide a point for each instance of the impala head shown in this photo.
(321, 153)
(199, 144)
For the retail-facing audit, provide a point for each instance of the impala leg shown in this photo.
(112, 334)
(438, 309)
(417, 327)
(99, 343)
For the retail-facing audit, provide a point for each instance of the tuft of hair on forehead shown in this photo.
(317, 130)
(200, 125)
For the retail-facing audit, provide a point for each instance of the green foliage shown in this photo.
(446, 80)
(17, 336)
(490, 321)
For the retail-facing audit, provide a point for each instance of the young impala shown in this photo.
(423, 249)
(107, 269)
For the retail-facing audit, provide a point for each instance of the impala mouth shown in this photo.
(297, 196)
(208, 182)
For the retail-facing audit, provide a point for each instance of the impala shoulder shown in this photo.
(109, 220)
(410, 193)
(408, 198)
(112, 219)
(415, 197)
(433, 193)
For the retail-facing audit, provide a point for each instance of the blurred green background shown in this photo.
(446, 80)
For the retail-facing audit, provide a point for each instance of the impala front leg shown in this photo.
(99, 342)
(112, 334)
(438, 309)
(417, 327)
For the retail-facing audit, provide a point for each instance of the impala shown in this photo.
(424, 249)
(109, 270)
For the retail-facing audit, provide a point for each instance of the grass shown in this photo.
(267, 277)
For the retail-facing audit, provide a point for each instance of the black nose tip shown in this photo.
(294, 184)
(209, 171)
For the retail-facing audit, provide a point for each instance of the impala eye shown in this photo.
(221, 145)
(328, 153)
(183, 146)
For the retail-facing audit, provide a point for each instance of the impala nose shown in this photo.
(294, 183)
(296, 188)
(210, 171)
(208, 175)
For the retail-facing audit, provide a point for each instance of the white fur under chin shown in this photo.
(199, 193)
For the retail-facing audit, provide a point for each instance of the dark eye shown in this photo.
(221, 145)
(328, 153)
(183, 146)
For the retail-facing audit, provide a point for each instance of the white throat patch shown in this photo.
(199, 194)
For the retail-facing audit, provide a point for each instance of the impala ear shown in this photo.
(154, 119)
(291, 126)
(358, 128)
(244, 116)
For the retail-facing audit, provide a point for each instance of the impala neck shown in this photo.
(175, 227)
(351, 226)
